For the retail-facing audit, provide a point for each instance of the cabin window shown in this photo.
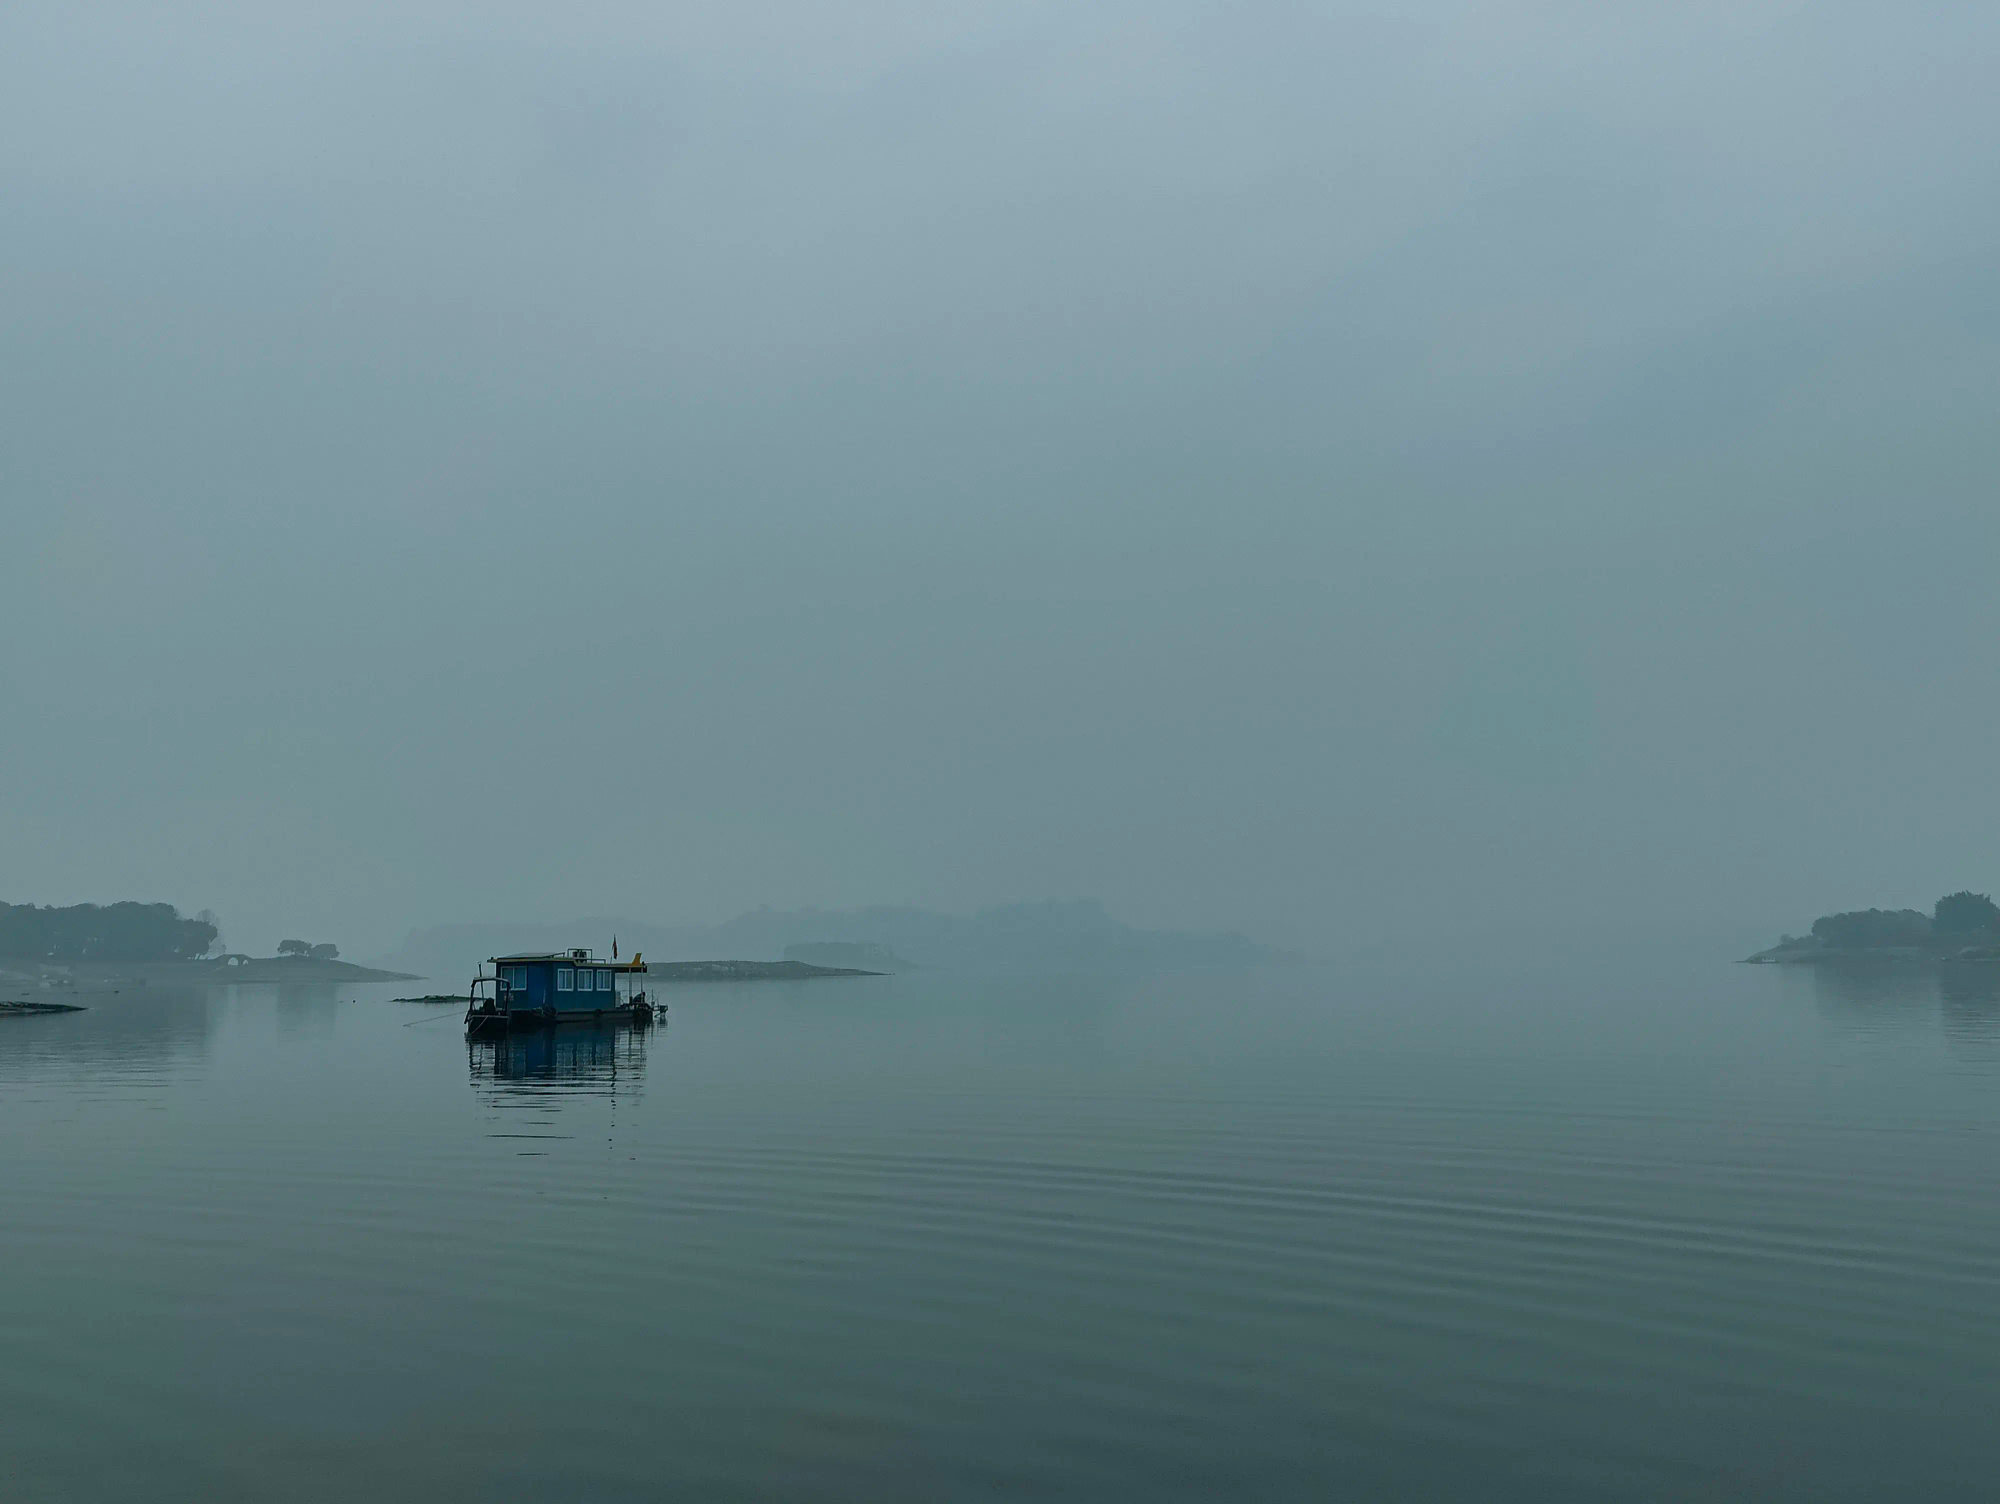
(516, 978)
(565, 979)
(604, 981)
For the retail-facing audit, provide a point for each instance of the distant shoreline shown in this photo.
(747, 971)
(1817, 955)
(17, 973)
(1961, 926)
(46, 979)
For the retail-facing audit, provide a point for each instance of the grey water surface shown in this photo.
(1624, 1230)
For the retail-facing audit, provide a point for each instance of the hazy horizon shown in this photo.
(1353, 475)
(1410, 537)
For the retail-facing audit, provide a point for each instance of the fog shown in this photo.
(1370, 476)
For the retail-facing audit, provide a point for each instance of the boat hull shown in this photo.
(516, 1020)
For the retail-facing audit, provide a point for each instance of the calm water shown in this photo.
(1695, 1232)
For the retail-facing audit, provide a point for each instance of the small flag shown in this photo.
(614, 947)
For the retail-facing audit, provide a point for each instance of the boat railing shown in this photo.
(497, 1004)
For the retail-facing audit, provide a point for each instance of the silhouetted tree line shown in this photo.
(111, 932)
(1962, 913)
(1864, 929)
(305, 949)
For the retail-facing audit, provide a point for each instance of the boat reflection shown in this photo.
(1961, 997)
(530, 1078)
(1969, 1000)
(597, 1061)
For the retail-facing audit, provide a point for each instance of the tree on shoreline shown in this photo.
(110, 932)
(1866, 929)
(1964, 912)
(1961, 913)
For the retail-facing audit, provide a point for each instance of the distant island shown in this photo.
(103, 932)
(89, 945)
(1067, 936)
(747, 971)
(103, 947)
(848, 955)
(1963, 926)
(218, 971)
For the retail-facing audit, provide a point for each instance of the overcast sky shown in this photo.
(1348, 472)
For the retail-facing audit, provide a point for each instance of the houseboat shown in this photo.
(557, 987)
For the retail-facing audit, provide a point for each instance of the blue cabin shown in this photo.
(565, 986)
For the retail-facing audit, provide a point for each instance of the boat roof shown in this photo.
(574, 957)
